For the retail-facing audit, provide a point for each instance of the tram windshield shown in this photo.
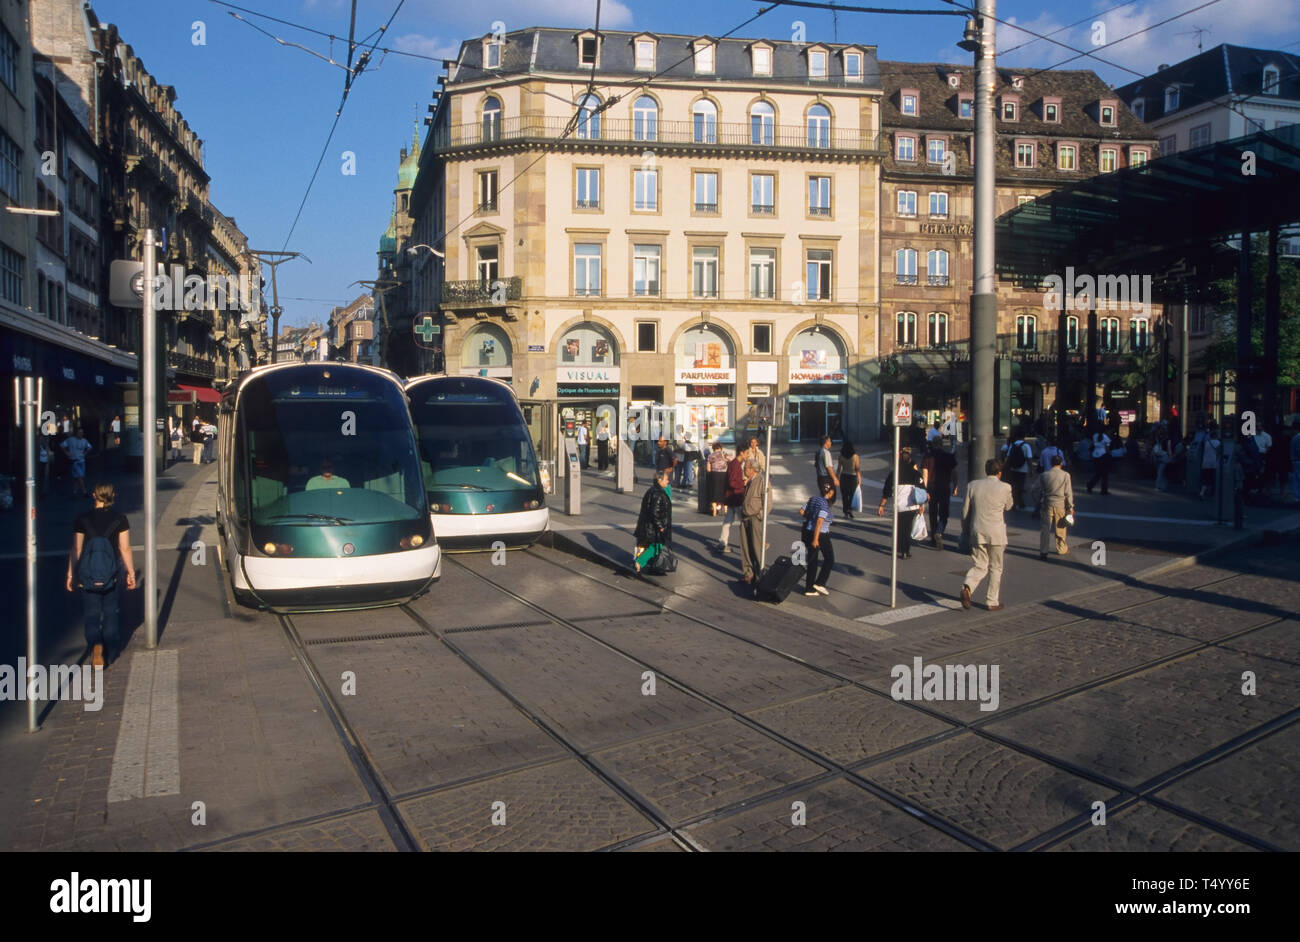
(473, 438)
(329, 451)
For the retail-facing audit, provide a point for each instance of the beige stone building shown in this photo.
(697, 227)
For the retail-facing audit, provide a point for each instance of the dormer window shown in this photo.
(1171, 99)
(954, 80)
(817, 63)
(1272, 79)
(1106, 113)
(1009, 108)
(908, 105)
(492, 55)
(704, 56)
(645, 54)
(966, 106)
(761, 59)
(588, 50)
(1139, 107)
(1017, 82)
(853, 67)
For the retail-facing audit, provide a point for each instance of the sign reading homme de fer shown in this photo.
(947, 228)
(815, 375)
(704, 376)
(587, 374)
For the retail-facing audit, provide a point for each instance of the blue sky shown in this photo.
(264, 109)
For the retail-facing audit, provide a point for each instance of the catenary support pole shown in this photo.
(27, 406)
(893, 556)
(983, 303)
(148, 421)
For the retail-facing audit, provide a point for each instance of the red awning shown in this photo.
(205, 393)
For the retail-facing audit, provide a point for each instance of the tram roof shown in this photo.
(1149, 219)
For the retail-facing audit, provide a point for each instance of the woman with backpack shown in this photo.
(100, 560)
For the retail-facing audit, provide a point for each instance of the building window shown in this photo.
(588, 188)
(1199, 136)
(817, 64)
(935, 149)
(645, 54)
(1272, 78)
(853, 67)
(762, 273)
(909, 105)
(589, 118)
(1139, 334)
(905, 331)
(645, 270)
(938, 330)
(819, 275)
(487, 190)
(1139, 107)
(706, 192)
(492, 55)
(705, 117)
(492, 119)
(1108, 115)
(11, 163)
(1052, 113)
(645, 119)
(12, 271)
(1171, 99)
(1169, 145)
(905, 266)
(1108, 335)
(1026, 332)
(1026, 154)
(488, 264)
(938, 204)
(1109, 160)
(8, 60)
(762, 338)
(819, 196)
(588, 48)
(1072, 333)
(762, 60)
(1067, 157)
(936, 271)
(1008, 111)
(819, 126)
(762, 193)
(1138, 158)
(645, 190)
(906, 147)
(704, 271)
(966, 107)
(586, 268)
(704, 57)
(762, 123)
(907, 202)
(647, 337)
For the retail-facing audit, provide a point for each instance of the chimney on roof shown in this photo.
(1162, 66)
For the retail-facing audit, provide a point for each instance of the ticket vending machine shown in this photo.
(572, 478)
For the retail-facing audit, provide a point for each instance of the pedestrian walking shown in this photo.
(602, 445)
(1211, 448)
(1045, 456)
(177, 441)
(76, 448)
(690, 458)
(751, 521)
(939, 478)
(654, 525)
(933, 435)
(197, 441)
(907, 475)
(584, 444)
(717, 477)
(99, 563)
(1018, 456)
(116, 428)
(983, 513)
(732, 499)
(849, 473)
(816, 534)
(1101, 460)
(825, 466)
(1163, 453)
(1054, 492)
(664, 457)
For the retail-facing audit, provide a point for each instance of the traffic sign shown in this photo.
(899, 409)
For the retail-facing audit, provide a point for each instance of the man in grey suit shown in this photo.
(986, 502)
(1054, 493)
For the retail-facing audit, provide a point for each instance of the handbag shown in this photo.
(855, 504)
(663, 562)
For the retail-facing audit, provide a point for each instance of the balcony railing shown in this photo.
(904, 279)
(474, 291)
(623, 131)
(763, 208)
(195, 366)
(936, 279)
(819, 210)
(706, 207)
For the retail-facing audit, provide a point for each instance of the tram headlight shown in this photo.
(269, 549)
(417, 540)
(532, 504)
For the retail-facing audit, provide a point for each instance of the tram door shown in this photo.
(539, 416)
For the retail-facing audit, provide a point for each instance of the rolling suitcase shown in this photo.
(779, 579)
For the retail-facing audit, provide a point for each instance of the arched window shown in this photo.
(819, 126)
(1108, 335)
(589, 118)
(705, 115)
(1072, 333)
(762, 123)
(905, 330)
(645, 119)
(492, 119)
(938, 329)
(1027, 332)
(937, 267)
(905, 266)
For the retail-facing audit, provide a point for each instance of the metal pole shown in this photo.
(27, 421)
(148, 421)
(275, 316)
(1184, 420)
(983, 303)
(893, 556)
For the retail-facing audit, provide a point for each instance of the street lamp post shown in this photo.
(413, 250)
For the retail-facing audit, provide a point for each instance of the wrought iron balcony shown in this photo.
(195, 366)
(480, 292)
(905, 279)
(936, 279)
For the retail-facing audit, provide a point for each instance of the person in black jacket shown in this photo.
(654, 527)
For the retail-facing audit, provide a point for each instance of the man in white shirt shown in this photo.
(584, 443)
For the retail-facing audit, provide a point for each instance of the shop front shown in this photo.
(705, 383)
(588, 385)
(818, 380)
(487, 351)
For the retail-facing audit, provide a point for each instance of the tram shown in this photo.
(320, 504)
(478, 462)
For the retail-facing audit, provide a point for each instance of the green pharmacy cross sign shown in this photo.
(425, 329)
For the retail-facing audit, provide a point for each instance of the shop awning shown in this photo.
(204, 393)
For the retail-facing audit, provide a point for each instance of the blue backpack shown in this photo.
(97, 567)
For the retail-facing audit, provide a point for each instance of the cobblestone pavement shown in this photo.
(552, 704)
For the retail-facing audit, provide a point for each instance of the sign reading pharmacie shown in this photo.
(705, 376)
